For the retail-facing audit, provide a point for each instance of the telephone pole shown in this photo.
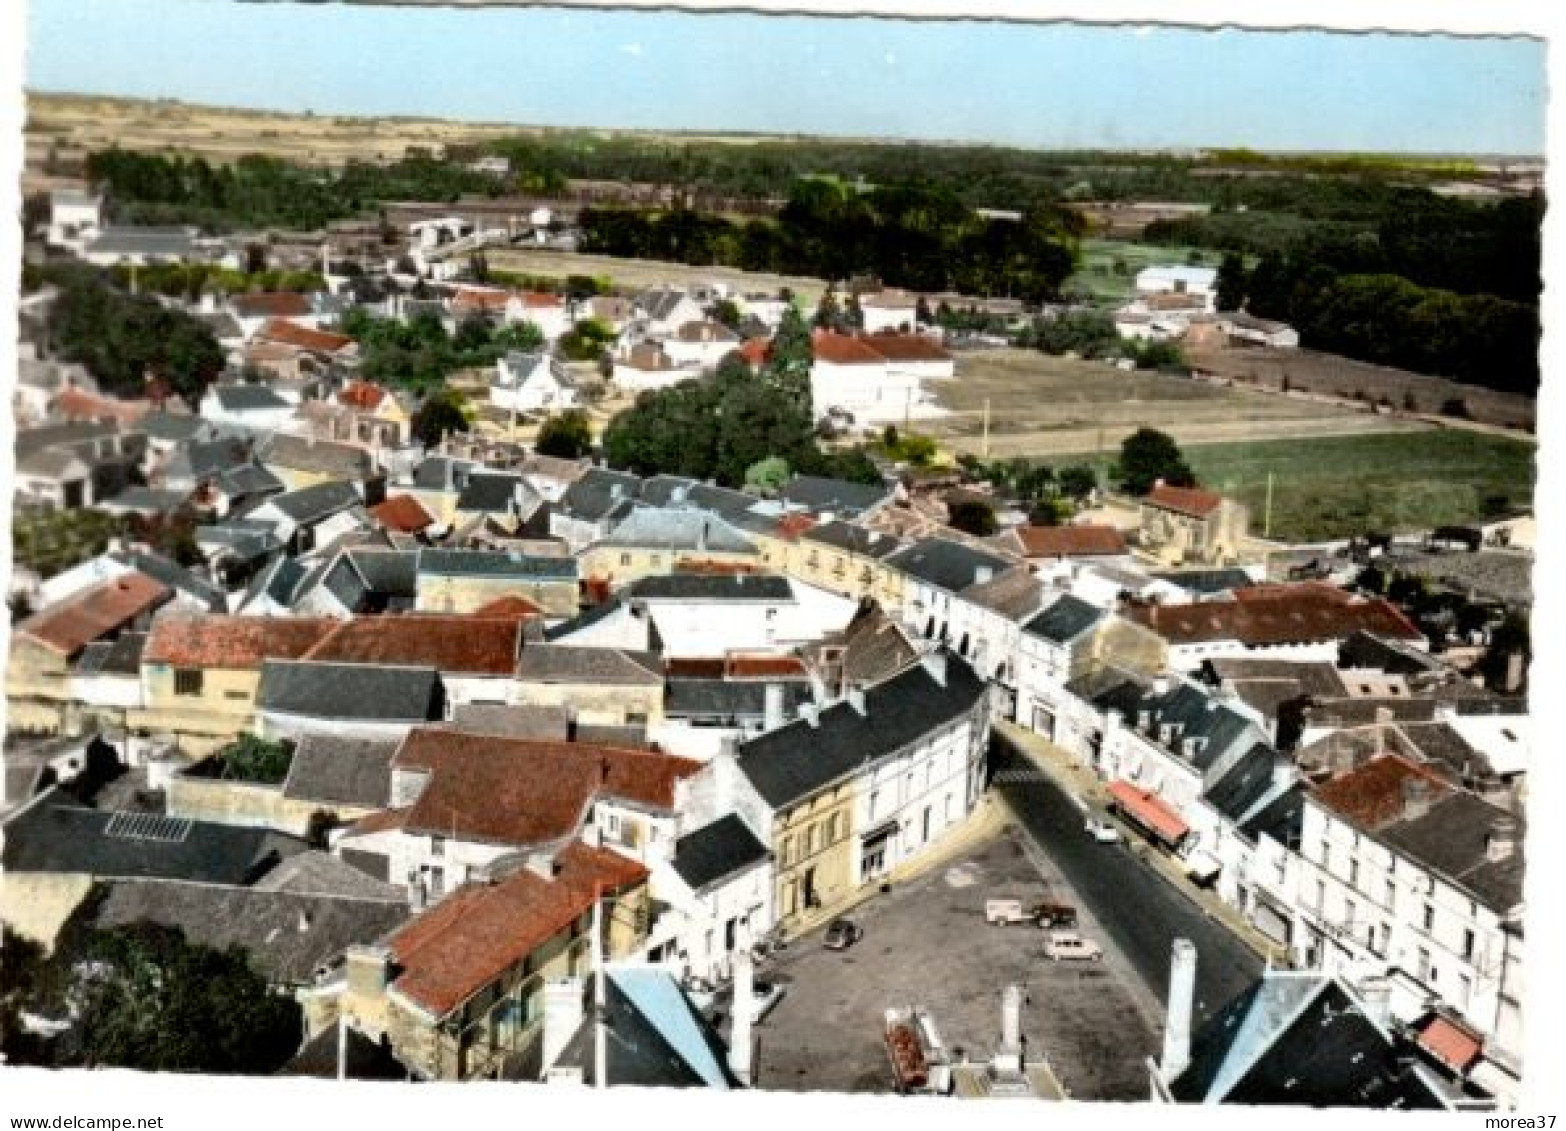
(985, 449)
(1267, 515)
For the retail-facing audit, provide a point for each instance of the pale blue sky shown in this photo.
(1033, 85)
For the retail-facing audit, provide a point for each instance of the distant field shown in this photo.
(1109, 267)
(1042, 406)
(1340, 486)
(636, 274)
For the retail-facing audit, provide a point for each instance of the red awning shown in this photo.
(1149, 810)
(1451, 1044)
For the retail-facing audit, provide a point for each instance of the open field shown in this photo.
(1331, 375)
(1109, 267)
(1043, 406)
(1341, 486)
(635, 274)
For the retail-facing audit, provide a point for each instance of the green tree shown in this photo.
(250, 758)
(1233, 280)
(768, 476)
(148, 999)
(972, 516)
(440, 414)
(568, 435)
(1148, 455)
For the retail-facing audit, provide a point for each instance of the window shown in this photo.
(1424, 970)
(1391, 897)
(831, 834)
(1465, 991)
(788, 850)
(1348, 912)
(810, 840)
(625, 559)
(1321, 895)
(875, 797)
(187, 681)
(1353, 873)
(437, 846)
(1429, 920)
(1468, 945)
(237, 695)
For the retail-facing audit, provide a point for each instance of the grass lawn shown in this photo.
(1339, 486)
(1101, 271)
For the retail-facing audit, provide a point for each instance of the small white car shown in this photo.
(1102, 831)
(1068, 946)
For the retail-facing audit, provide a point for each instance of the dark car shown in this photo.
(842, 934)
(1052, 915)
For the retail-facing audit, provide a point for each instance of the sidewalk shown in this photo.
(988, 819)
(1085, 785)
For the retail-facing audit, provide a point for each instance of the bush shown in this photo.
(250, 758)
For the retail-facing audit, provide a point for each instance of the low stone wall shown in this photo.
(238, 803)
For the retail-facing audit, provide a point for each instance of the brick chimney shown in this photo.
(1417, 794)
(1500, 843)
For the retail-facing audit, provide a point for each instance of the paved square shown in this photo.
(926, 943)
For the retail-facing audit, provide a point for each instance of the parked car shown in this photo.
(1052, 915)
(842, 934)
(1102, 831)
(765, 995)
(1068, 946)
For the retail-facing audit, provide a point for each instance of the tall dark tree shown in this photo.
(1148, 455)
(440, 414)
(1233, 281)
(568, 435)
(971, 516)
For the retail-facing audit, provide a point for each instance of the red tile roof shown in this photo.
(468, 299)
(511, 607)
(1070, 541)
(191, 640)
(525, 792)
(362, 395)
(1309, 590)
(840, 349)
(476, 934)
(1372, 795)
(70, 625)
(907, 347)
(1186, 500)
(1451, 1043)
(1290, 620)
(79, 404)
(540, 300)
(453, 645)
(741, 666)
(280, 331)
(695, 667)
(271, 304)
(402, 513)
(791, 526)
(756, 350)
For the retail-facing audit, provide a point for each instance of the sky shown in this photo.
(1046, 86)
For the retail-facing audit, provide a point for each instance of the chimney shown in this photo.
(935, 664)
(983, 574)
(304, 921)
(1416, 798)
(1383, 720)
(368, 970)
(742, 1009)
(1177, 1023)
(856, 700)
(1500, 843)
(565, 1007)
(811, 713)
(772, 711)
(1161, 684)
(1375, 997)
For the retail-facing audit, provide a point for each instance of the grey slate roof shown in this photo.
(350, 692)
(592, 497)
(1068, 618)
(856, 539)
(532, 721)
(365, 1059)
(287, 936)
(795, 761)
(440, 473)
(728, 698)
(1298, 1038)
(30, 440)
(249, 479)
(322, 457)
(58, 835)
(564, 663)
(712, 587)
(492, 492)
(280, 582)
(161, 243)
(495, 563)
(120, 656)
(839, 496)
(716, 851)
(317, 873)
(1450, 839)
(245, 541)
(247, 398)
(655, 1037)
(333, 770)
(317, 502)
(146, 500)
(946, 565)
(1208, 581)
(1245, 784)
(677, 529)
(171, 427)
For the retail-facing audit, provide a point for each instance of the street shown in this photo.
(1140, 910)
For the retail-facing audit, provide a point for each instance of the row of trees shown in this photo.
(722, 427)
(419, 354)
(917, 236)
(1092, 334)
(124, 339)
(1385, 319)
(260, 191)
